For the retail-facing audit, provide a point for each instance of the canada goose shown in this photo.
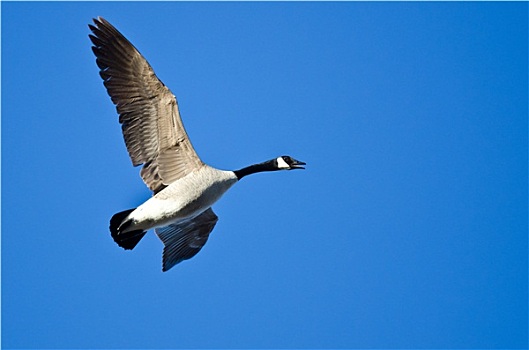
(184, 188)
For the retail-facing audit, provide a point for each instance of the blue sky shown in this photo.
(408, 229)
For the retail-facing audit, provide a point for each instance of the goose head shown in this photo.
(288, 163)
(279, 163)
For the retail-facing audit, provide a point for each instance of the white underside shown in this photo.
(183, 199)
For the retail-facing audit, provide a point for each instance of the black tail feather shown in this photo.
(126, 240)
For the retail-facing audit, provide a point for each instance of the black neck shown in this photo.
(269, 165)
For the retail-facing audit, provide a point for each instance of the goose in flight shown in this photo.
(184, 188)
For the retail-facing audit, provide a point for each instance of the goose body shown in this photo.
(184, 198)
(184, 188)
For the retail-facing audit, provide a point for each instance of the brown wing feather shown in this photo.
(148, 111)
(184, 240)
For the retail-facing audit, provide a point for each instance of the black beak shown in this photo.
(296, 164)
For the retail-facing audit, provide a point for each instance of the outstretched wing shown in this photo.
(148, 111)
(184, 240)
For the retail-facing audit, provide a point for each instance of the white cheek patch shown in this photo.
(281, 164)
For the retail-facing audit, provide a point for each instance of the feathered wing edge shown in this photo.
(184, 240)
(148, 111)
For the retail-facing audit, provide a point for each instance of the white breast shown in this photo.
(184, 198)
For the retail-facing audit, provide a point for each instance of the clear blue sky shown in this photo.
(407, 230)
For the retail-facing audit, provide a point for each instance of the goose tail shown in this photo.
(126, 240)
